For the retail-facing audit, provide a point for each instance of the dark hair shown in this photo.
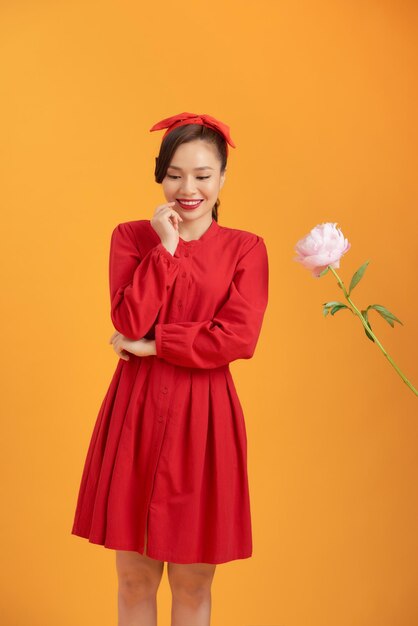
(184, 134)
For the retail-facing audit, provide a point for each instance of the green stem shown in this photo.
(363, 321)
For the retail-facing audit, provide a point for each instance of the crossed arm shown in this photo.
(138, 288)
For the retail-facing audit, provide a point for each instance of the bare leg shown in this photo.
(191, 589)
(139, 578)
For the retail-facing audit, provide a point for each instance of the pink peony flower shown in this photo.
(323, 246)
(320, 251)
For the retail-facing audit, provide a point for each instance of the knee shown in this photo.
(191, 589)
(138, 576)
(191, 594)
(135, 587)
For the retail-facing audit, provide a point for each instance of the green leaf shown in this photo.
(337, 307)
(387, 315)
(328, 305)
(368, 335)
(334, 306)
(357, 276)
(332, 303)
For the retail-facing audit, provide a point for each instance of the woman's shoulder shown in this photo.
(239, 233)
(137, 230)
(245, 240)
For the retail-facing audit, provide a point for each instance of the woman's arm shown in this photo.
(233, 332)
(138, 286)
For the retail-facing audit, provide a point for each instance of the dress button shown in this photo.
(164, 389)
(184, 274)
(186, 253)
(180, 304)
(160, 418)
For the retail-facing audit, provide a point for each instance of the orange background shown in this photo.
(321, 98)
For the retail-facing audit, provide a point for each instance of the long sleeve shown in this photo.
(234, 330)
(138, 286)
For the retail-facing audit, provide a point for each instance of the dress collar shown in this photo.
(209, 232)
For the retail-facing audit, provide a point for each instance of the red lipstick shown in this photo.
(188, 204)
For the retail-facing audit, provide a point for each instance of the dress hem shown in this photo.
(155, 554)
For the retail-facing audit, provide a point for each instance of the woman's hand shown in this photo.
(165, 222)
(123, 346)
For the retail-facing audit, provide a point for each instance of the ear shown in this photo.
(222, 179)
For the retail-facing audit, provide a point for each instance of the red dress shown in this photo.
(166, 470)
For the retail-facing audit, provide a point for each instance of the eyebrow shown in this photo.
(203, 167)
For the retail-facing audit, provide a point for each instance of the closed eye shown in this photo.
(174, 177)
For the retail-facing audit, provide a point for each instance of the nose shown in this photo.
(188, 186)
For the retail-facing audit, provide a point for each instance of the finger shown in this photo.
(120, 351)
(174, 218)
(175, 214)
(115, 334)
(165, 206)
(117, 346)
(117, 340)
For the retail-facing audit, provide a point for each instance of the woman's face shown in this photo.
(194, 174)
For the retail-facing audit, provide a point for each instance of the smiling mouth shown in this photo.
(189, 203)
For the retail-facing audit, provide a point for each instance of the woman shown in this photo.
(165, 477)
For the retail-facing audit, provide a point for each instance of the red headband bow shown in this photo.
(191, 118)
